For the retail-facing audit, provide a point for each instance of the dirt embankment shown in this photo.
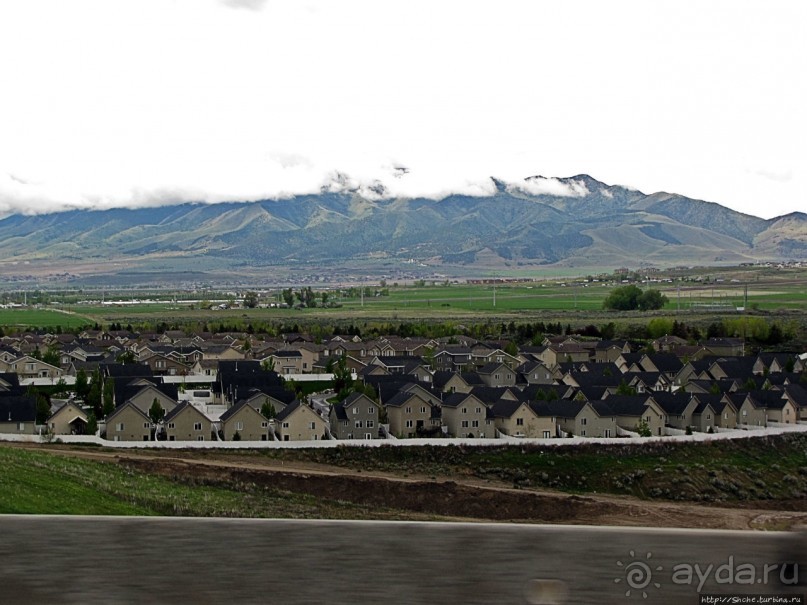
(462, 500)
(449, 497)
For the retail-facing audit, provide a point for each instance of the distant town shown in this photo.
(120, 385)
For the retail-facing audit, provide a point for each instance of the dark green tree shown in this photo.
(42, 409)
(92, 424)
(650, 300)
(251, 300)
(109, 396)
(268, 410)
(156, 411)
(81, 387)
(94, 395)
(623, 298)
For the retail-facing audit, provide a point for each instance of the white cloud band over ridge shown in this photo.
(138, 103)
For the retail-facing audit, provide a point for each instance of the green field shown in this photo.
(38, 482)
(551, 299)
(41, 318)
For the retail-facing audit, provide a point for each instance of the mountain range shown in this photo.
(581, 222)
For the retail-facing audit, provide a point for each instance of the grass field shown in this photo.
(42, 318)
(457, 302)
(34, 482)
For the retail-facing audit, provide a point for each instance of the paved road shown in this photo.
(114, 560)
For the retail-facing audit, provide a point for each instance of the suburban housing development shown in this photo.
(235, 386)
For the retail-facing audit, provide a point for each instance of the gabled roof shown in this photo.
(504, 408)
(181, 408)
(401, 398)
(232, 411)
(672, 403)
(490, 395)
(290, 409)
(716, 402)
(774, 400)
(127, 406)
(627, 405)
(455, 400)
(126, 370)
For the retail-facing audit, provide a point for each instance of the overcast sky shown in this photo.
(142, 102)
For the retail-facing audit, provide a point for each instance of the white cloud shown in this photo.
(539, 185)
(142, 102)
(254, 5)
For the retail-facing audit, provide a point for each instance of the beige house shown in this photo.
(633, 410)
(145, 397)
(187, 423)
(465, 415)
(128, 423)
(69, 419)
(519, 419)
(298, 422)
(761, 407)
(554, 354)
(581, 418)
(162, 365)
(357, 417)
(246, 421)
(30, 367)
(286, 362)
(411, 414)
(497, 375)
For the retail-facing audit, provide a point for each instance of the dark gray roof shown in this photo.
(287, 411)
(179, 409)
(17, 408)
(672, 403)
(627, 405)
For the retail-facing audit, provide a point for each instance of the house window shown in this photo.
(583, 433)
(423, 410)
(478, 410)
(197, 426)
(708, 416)
(409, 410)
(583, 421)
(519, 422)
(464, 424)
(370, 424)
(264, 425)
(409, 424)
(359, 424)
(371, 411)
(239, 426)
(119, 426)
(146, 425)
(475, 423)
(547, 435)
(312, 426)
(368, 435)
(200, 438)
(745, 412)
(349, 436)
(355, 411)
(171, 425)
(496, 377)
(20, 426)
(464, 410)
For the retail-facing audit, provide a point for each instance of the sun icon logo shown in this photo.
(638, 574)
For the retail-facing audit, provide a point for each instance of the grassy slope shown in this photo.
(42, 483)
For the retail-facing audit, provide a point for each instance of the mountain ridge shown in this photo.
(569, 221)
